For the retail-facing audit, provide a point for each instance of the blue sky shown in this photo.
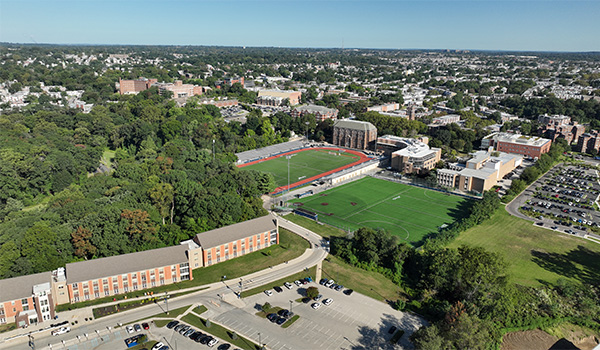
(542, 25)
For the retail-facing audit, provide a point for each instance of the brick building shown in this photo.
(97, 278)
(26, 299)
(529, 146)
(588, 142)
(354, 134)
(229, 81)
(320, 112)
(127, 87)
(229, 242)
(412, 155)
(179, 89)
(560, 126)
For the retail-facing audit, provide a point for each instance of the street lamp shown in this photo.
(167, 301)
(288, 157)
(213, 150)
(291, 306)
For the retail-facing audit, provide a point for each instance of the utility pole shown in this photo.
(167, 301)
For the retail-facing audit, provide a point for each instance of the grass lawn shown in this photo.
(220, 332)
(200, 309)
(8, 327)
(290, 246)
(272, 310)
(311, 272)
(303, 165)
(290, 321)
(369, 283)
(535, 255)
(162, 323)
(321, 229)
(406, 211)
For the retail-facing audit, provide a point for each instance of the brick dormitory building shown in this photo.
(32, 298)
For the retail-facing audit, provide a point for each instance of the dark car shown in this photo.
(280, 321)
(278, 289)
(172, 324)
(205, 339)
(392, 330)
(145, 325)
(224, 347)
(323, 281)
(339, 287)
(272, 317)
(189, 332)
(179, 327)
(348, 291)
(195, 335)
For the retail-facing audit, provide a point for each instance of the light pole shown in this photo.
(259, 339)
(291, 306)
(167, 301)
(213, 150)
(166, 341)
(288, 157)
(307, 124)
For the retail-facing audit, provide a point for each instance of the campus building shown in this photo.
(384, 108)
(32, 298)
(409, 155)
(588, 142)
(320, 112)
(127, 87)
(560, 126)
(97, 278)
(229, 242)
(26, 300)
(445, 120)
(229, 81)
(179, 89)
(480, 173)
(529, 146)
(278, 97)
(354, 134)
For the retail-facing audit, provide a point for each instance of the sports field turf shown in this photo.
(406, 211)
(535, 255)
(304, 164)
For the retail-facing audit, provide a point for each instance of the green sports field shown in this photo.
(303, 164)
(406, 211)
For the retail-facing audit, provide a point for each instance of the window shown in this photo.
(106, 292)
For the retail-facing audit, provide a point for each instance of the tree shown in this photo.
(162, 196)
(81, 239)
(266, 307)
(312, 292)
(140, 229)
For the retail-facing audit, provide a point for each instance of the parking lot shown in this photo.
(564, 199)
(349, 321)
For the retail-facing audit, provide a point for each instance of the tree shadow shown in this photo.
(461, 210)
(379, 337)
(581, 264)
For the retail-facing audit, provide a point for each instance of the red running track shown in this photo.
(363, 158)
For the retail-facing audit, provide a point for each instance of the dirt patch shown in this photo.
(324, 203)
(533, 340)
(353, 204)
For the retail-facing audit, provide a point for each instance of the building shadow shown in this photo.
(581, 264)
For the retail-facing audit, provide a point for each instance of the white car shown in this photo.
(213, 342)
(61, 330)
(316, 306)
(268, 293)
(129, 329)
(329, 283)
(298, 283)
(288, 285)
(158, 346)
(327, 301)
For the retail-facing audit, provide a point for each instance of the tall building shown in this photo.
(354, 134)
(26, 300)
(588, 142)
(560, 126)
(179, 89)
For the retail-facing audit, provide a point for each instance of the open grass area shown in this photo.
(369, 283)
(303, 164)
(162, 323)
(200, 309)
(319, 228)
(311, 272)
(219, 332)
(406, 211)
(290, 246)
(535, 255)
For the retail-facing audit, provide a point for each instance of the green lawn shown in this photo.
(535, 255)
(290, 246)
(219, 332)
(303, 164)
(372, 284)
(406, 211)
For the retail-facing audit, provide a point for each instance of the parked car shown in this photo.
(318, 297)
(137, 327)
(323, 281)
(129, 329)
(327, 301)
(329, 283)
(268, 293)
(392, 330)
(316, 306)
(288, 285)
(189, 332)
(61, 330)
(172, 324)
(298, 283)
(212, 342)
(280, 321)
(278, 289)
(145, 325)
(348, 291)
(158, 346)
